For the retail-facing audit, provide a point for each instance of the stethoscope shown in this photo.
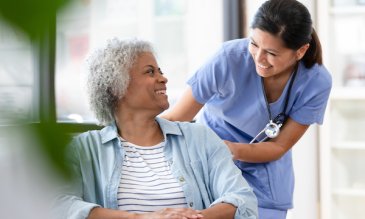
(272, 129)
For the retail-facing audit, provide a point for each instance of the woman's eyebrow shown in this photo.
(149, 66)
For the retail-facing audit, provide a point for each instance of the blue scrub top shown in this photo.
(235, 109)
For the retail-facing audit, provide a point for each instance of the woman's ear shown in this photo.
(301, 51)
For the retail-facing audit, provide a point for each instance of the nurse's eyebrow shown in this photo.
(267, 50)
(252, 40)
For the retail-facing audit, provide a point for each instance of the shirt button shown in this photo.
(191, 204)
(182, 179)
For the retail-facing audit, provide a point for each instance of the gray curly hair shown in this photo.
(108, 75)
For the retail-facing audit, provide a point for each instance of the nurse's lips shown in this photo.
(263, 66)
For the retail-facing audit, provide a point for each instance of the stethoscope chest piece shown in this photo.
(272, 129)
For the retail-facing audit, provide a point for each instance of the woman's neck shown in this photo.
(143, 131)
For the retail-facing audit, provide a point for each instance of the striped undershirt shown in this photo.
(147, 184)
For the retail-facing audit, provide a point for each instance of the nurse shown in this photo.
(260, 95)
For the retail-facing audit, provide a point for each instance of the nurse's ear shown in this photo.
(301, 51)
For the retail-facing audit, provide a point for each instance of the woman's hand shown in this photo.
(172, 213)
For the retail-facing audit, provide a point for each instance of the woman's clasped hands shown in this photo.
(172, 213)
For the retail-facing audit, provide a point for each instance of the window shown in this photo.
(18, 97)
(184, 33)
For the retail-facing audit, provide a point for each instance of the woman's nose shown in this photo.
(163, 79)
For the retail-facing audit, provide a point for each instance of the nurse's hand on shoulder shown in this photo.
(172, 213)
(233, 148)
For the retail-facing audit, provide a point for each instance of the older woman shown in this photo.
(142, 166)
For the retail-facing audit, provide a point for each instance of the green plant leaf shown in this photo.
(33, 17)
(53, 142)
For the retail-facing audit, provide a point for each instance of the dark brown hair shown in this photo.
(291, 21)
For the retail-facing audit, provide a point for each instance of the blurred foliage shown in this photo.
(33, 17)
(53, 139)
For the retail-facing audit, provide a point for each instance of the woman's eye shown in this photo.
(160, 71)
(151, 72)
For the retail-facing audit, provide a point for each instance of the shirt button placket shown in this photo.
(181, 179)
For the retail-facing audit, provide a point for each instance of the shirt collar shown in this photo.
(110, 132)
(168, 127)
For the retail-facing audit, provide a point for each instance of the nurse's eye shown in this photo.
(271, 53)
(253, 44)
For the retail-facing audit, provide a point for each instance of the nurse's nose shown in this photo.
(260, 55)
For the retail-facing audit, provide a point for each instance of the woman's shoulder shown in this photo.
(192, 127)
(175, 127)
(94, 138)
(188, 129)
(91, 134)
(200, 133)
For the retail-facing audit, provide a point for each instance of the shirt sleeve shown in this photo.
(226, 181)
(69, 202)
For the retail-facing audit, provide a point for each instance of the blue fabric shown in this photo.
(266, 213)
(199, 158)
(235, 109)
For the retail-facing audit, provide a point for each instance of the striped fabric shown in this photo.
(147, 184)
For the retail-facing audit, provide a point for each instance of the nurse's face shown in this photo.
(272, 58)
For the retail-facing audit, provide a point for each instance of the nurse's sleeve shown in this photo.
(311, 105)
(210, 79)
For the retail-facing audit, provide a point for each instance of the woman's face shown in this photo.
(147, 86)
(272, 58)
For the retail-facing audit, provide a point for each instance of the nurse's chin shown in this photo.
(265, 73)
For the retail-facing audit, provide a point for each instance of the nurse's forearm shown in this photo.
(185, 109)
(220, 211)
(271, 150)
(256, 153)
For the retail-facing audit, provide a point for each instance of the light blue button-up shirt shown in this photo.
(200, 161)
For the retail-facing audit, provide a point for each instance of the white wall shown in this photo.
(306, 167)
